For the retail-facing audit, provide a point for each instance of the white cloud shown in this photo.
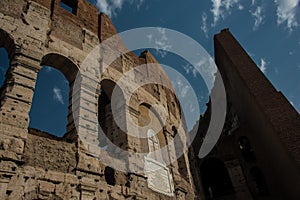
(57, 95)
(184, 91)
(48, 69)
(240, 7)
(162, 42)
(286, 13)
(139, 3)
(150, 36)
(258, 17)
(229, 3)
(204, 24)
(192, 108)
(252, 2)
(216, 10)
(276, 70)
(187, 68)
(263, 65)
(181, 87)
(220, 7)
(110, 7)
(190, 69)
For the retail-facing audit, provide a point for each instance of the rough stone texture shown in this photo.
(260, 145)
(258, 152)
(36, 165)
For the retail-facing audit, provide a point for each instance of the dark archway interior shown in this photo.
(259, 181)
(182, 167)
(247, 151)
(215, 178)
(113, 133)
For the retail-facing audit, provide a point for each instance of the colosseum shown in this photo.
(256, 157)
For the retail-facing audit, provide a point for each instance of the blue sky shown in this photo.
(268, 30)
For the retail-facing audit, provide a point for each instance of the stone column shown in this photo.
(16, 100)
(83, 124)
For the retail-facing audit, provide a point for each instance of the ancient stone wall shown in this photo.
(36, 165)
(259, 146)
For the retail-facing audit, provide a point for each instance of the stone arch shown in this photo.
(63, 64)
(181, 161)
(215, 178)
(7, 43)
(144, 119)
(153, 144)
(70, 70)
(117, 135)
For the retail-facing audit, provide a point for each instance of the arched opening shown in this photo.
(50, 102)
(51, 109)
(182, 166)
(245, 147)
(147, 115)
(215, 179)
(259, 181)
(153, 144)
(7, 42)
(115, 134)
(158, 174)
(7, 50)
(4, 65)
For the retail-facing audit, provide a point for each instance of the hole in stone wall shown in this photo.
(109, 174)
(26, 178)
(4, 65)
(8, 192)
(215, 178)
(69, 5)
(50, 102)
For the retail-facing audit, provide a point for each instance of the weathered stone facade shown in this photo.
(257, 156)
(36, 165)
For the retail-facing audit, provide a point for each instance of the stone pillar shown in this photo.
(16, 100)
(172, 155)
(238, 180)
(83, 124)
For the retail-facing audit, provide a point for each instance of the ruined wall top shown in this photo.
(84, 13)
(70, 26)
